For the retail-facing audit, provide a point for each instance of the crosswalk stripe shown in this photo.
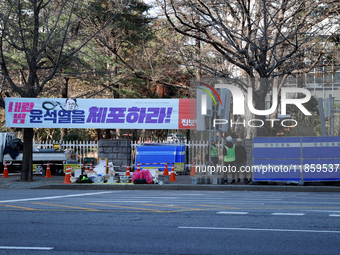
(25, 248)
(289, 214)
(242, 213)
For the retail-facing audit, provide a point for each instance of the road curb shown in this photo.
(192, 187)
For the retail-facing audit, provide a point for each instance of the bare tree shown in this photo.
(37, 40)
(266, 40)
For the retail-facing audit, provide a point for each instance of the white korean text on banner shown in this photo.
(92, 113)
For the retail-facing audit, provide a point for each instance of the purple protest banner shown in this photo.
(92, 113)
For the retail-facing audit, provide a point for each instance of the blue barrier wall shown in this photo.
(161, 154)
(321, 158)
(278, 158)
(296, 158)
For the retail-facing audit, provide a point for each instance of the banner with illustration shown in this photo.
(98, 113)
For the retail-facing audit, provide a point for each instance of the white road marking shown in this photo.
(232, 212)
(334, 215)
(190, 202)
(266, 229)
(324, 211)
(312, 203)
(153, 197)
(209, 199)
(289, 214)
(258, 199)
(241, 203)
(26, 248)
(117, 201)
(55, 197)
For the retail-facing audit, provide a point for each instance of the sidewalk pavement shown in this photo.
(184, 182)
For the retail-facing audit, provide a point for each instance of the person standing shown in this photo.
(240, 158)
(229, 157)
(214, 152)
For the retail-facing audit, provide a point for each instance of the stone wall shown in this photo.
(117, 151)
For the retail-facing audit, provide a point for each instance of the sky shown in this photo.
(154, 10)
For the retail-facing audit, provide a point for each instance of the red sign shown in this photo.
(187, 114)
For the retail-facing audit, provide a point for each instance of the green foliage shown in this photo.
(78, 135)
(311, 106)
(307, 125)
(53, 134)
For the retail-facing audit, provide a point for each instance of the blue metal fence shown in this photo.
(296, 159)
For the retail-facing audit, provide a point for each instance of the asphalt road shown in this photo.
(168, 222)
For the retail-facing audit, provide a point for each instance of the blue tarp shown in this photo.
(160, 154)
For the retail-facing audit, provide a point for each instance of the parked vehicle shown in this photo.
(176, 138)
(55, 158)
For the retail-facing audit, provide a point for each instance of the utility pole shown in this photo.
(326, 110)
